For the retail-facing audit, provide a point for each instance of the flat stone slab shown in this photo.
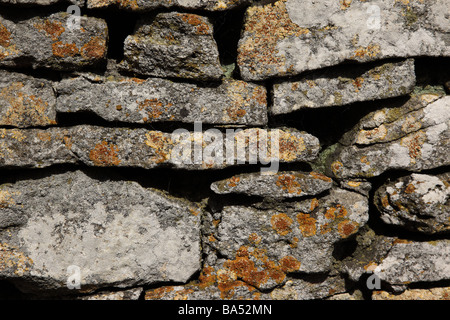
(418, 202)
(26, 101)
(341, 86)
(123, 147)
(288, 37)
(285, 184)
(110, 233)
(134, 100)
(178, 45)
(48, 42)
(414, 137)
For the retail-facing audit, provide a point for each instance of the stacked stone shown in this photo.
(257, 235)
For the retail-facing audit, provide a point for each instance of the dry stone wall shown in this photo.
(287, 150)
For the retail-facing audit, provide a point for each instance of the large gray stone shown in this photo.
(285, 184)
(288, 37)
(153, 100)
(48, 42)
(26, 101)
(414, 136)
(114, 233)
(124, 147)
(178, 45)
(418, 202)
(343, 86)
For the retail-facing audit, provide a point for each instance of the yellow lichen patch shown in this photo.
(12, 259)
(401, 241)
(153, 107)
(370, 51)
(267, 25)
(330, 213)
(7, 199)
(254, 238)
(317, 175)
(290, 146)
(194, 211)
(281, 223)
(369, 136)
(211, 238)
(289, 183)
(410, 188)
(104, 154)
(44, 136)
(94, 49)
(357, 83)
(62, 49)
(307, 224)
(354, 184)
(411, 124)
(233, 181)
(347, 227)
(53, 29)
(197, 22)
(345, 4)
(364, 160)
(289, 264)
(158, 293)
(293, 242)
(160, 144)
(325, 228)
(414, 144)
(314, 204)
(336, 166)
(371, 266)
(5, 36)
(23, 109)
(67, 142)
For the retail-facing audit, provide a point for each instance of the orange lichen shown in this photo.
(94, 49)
(235, 113)
(62, 49)
(12, 259)
(325, 228)
(158, 293)
(370, 51)
(153, 107)
(289, 183)
(104, 154)
(267, 25)
(410, 188)
(281, 223)
(336, 167)
(5, 36)
(160, 144)
(23, 109)
(414, 144)
(53, 29)
(357, 83)
(317, 175)
(290, 146)
(347, 227)
(345, 4)
(233, 181)
(289, 264)
(354, 184)
(196, 21)
(330, 213)
(254, 238)
(307, 224)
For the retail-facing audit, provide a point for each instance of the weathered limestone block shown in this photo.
(179, 45)
(414, 136)
(124, 147)
(152, 100)
(48, 42)
(115, 233)
(26, 101)
(292, 36)
(440, 293)
(130, 294)
(409, 261)
(262, 244)
(145, 5)
(285, 184)
(398, 262)
(216, 283)
(418, 202)
(341, 86)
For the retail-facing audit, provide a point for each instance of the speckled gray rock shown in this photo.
(265, 242)
(124, 147)
(48, 42)
(153, 100)
(414, 136)
(288, 37)
(145, 5)
(285, 184)
(179, 45)
(26, 101)
(221, 284)
(409, 262)
(344, 85)
(439, 293)
(115, 233)
(130, 294)
(30, 3)
(418, 202)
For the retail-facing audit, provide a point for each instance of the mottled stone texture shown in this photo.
(154, 100)
(48, 42)
(342, 86)
(116, 232)
(178, 45)
(288, 37)
(145, 5)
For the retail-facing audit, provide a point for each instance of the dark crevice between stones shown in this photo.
(8, 291)
(432, 71)
(382, 228)
(23, 11)
(329, 124)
